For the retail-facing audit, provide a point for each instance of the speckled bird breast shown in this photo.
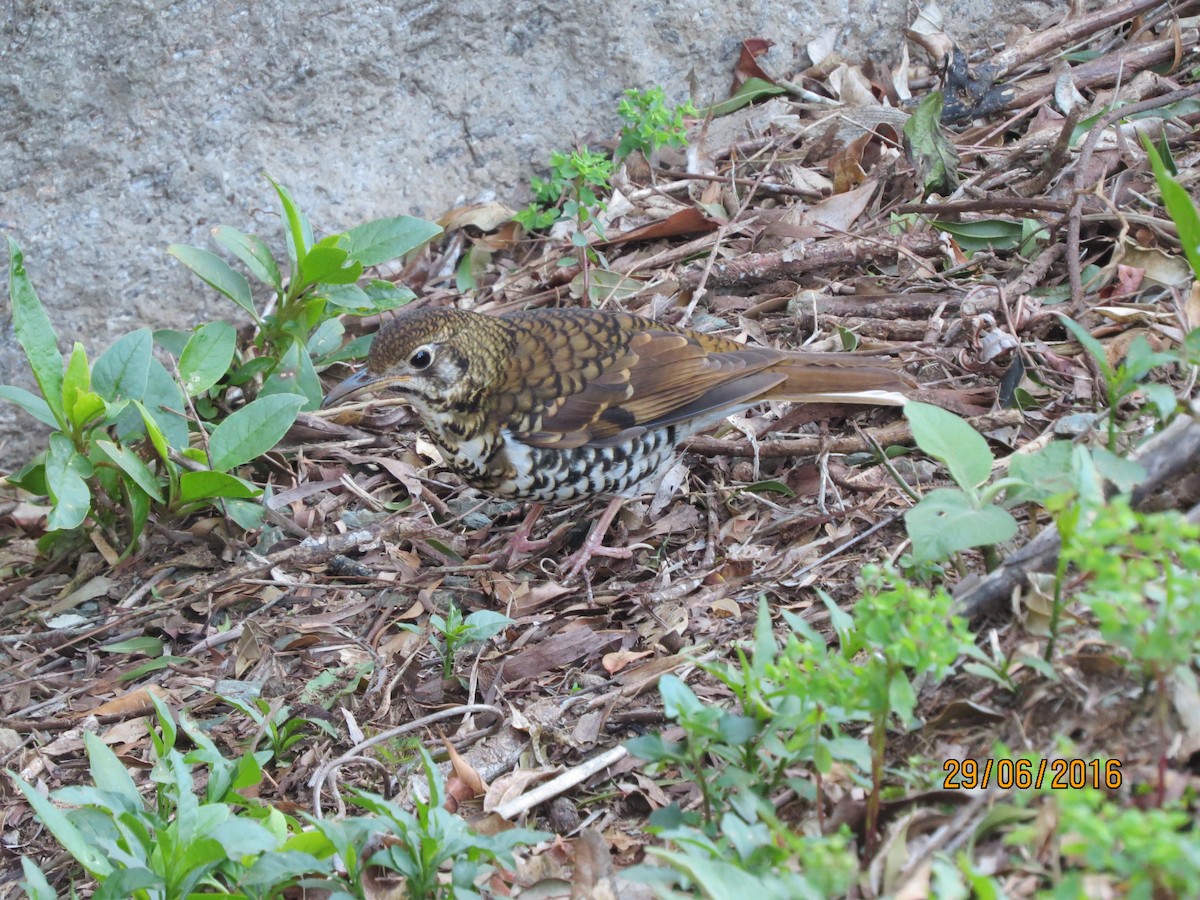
(508, 468)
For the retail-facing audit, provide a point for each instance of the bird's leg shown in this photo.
(519, 542)
(593, 544)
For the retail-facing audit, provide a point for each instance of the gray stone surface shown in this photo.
(125, 126)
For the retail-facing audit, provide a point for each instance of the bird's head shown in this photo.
(435, 359)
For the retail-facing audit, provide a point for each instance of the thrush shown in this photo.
(557, 405)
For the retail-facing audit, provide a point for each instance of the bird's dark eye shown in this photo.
(421, 359)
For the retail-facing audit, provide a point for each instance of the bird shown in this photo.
(566, 404)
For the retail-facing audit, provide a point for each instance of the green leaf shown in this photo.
(769, 487)
(1042, 474)
(77, 380)
(131, 464)
(107, 771)
(484, 624)
(30, 402)
(1179, 206)
(931, 152)
(327, 264)
(35, 884)
(1162, 396)
(35, 334)
(375, 298)
(295, 375)
(984, 234)
(951, 441)
(217, 274)
(172, 340)
(121, 371)
(145, 644)
(1125, 474)
(164, 401)
(207, 356)
(248, 514)
(207, 485)
(253, 252)
(73, 840)
(1094, 348)
(752, 89)
(377, 242)
(945, 522)
(252, 430)
(89, 405)
(299, 231)
(65, 471)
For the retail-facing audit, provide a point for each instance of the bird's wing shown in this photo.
(595, 377)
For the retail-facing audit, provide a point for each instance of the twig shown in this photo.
(895, 433)
(511, 809)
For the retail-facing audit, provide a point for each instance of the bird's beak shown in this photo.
(360, 380)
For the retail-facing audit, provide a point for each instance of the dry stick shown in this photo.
(315, 550)
(801, 259)
(1099, 72)
(1074, 268)
(1035, 46)
(510, 809)
(1170, 453)
(895, 433)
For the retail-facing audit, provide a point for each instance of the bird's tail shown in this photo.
(841, 378)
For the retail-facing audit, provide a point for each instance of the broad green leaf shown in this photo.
(298, 232)
(172, 340)
(295, 375)
(355, 349)
(217, 274)
(207, 356)
(931, 152)
(164, 401)
(208, 485)
(374, 298)
(983, 234)
(107, 771)
(1125, 474)
(377, 242)
(484, 624)
(35, 334)
(131, 464)
(328, 265)
(1162, 396)
(65, 471)
(252, 430)
(73, 840)
(87, 406)
(1042, 474)
(248, 514)
(145, 644)
(951, 441)
(120, 372)
(327, 338)
(945, 522)
(253, 252)
(752, 89)
(35, 885)
(349, 297)
(30, 402)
